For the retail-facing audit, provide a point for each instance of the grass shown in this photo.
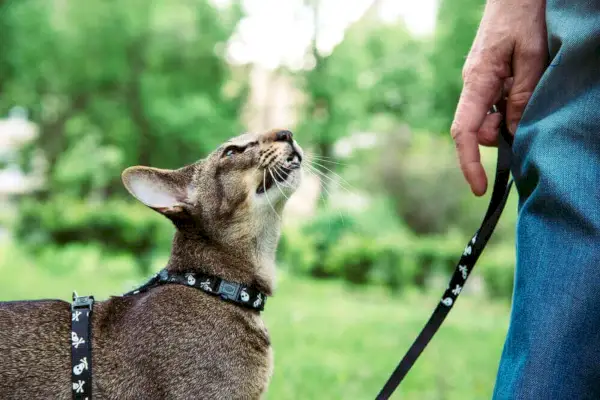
(331, 341)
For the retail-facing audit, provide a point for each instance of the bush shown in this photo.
(325, 232)
(115, 225)
(497, 268)
(366, 249)
(352, 258)
(296, 251)
(359, 248)
(394, 263)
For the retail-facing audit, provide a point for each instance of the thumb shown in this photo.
(528, 66)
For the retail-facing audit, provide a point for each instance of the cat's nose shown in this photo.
(284, 136)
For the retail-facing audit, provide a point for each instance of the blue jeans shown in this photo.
(552, 350)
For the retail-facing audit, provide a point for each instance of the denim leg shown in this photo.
(552, 350)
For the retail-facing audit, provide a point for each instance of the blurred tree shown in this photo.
(376, 70)
(113, 84)
(420, 183)
(5, 35)
(457, 22)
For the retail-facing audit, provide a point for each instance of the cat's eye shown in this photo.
(232, 150)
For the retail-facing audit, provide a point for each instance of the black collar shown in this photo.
(242, 295)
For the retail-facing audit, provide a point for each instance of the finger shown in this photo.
(508, 83)
(528, 66)
(488, 134)
(479, 92)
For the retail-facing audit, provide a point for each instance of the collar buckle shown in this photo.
(228, 290)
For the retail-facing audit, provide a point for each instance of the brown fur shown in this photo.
(173, 342)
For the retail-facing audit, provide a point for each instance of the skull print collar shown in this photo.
(237, 293)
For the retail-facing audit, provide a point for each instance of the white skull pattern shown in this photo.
(190, 279)
(467, 251)
(258, 301)
(79, 368)
(447, 301)
(206, 285)
(244, 295)
(76, 340)
(78, 386)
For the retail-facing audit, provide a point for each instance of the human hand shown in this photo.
(507, 58)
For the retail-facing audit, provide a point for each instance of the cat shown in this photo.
(174, 342)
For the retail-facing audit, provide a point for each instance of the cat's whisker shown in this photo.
(312, 157)
(283, 181)
(329, 194)
(326, 179)
(331, 182)
(277, 184)
(334, 174)
(267, 193)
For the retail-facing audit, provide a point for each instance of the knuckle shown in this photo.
(532, 51)
(486, 62)
(480, 77)
(470, 69)
(519, 99)
(456, 130)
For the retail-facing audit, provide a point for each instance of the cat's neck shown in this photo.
(239, 262)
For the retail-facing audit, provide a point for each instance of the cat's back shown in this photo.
(34, 348)
(180, 342)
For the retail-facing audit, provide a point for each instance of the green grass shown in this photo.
(333, 342)
(57, 273)
(330, 341)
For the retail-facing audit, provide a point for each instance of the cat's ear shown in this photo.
(166, 191)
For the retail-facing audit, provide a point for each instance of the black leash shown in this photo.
(81, 313)
(472, 251)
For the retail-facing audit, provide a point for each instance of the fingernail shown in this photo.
(513, 127)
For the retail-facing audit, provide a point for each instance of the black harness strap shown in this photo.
(81, 347)
(465, 265)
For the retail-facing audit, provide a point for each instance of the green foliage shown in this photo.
(419, 174)
(378, 69)
(115, 84)
(326, 231)
(497, 268)
(296, 252)
(369, 247)
(352, 257)
(115, 225)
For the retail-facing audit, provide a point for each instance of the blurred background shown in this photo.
(88, 88)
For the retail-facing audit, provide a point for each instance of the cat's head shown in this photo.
(235, 194)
